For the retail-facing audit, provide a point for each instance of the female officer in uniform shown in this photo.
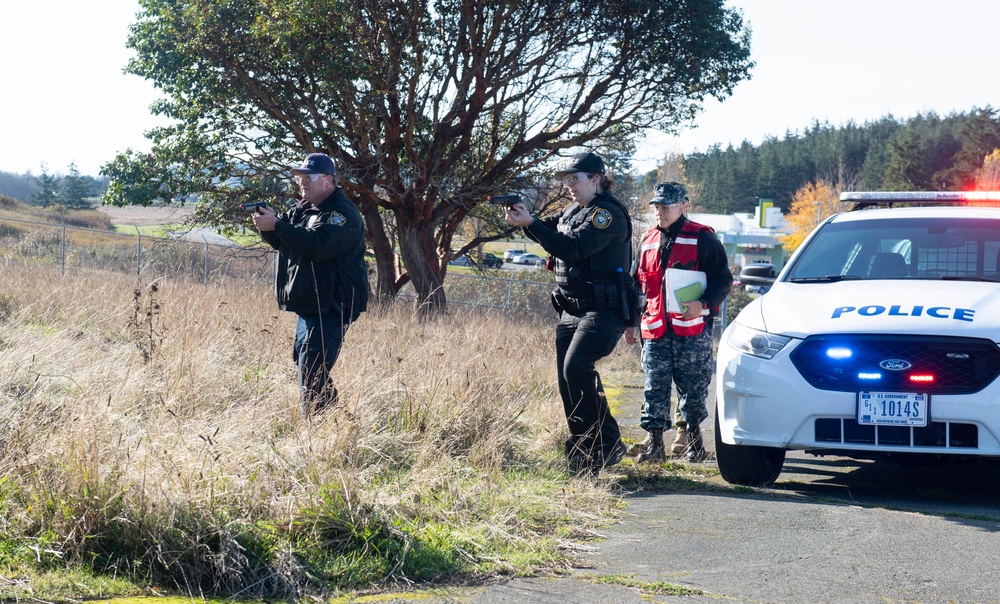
(591, 242)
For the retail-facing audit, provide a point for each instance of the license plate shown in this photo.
(892, 408)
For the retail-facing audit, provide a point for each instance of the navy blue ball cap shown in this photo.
(669, 193)
(591, 163)
(316, 163)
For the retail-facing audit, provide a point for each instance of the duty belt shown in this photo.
(572, 304)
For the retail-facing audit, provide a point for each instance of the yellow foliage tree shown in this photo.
(810, 205)
(988, 178)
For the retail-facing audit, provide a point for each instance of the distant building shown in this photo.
(750, 238)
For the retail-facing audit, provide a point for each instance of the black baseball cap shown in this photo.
(316, 163)
(669, 193)
(591, 163)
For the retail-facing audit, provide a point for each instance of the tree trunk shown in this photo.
(385, 266)
(425, 268)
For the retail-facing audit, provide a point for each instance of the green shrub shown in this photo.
(738, 299)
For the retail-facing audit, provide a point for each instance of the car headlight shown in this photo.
(756, 343)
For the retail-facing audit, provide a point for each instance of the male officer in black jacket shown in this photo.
(591, 242)
(320, 275)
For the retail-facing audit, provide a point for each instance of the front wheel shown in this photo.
(747, 465)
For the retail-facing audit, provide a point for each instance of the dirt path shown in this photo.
(148, 215)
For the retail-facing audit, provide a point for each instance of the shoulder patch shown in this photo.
(601, 218)
(336, 218)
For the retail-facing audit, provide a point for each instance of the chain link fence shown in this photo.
(76, 248)
(514, 293)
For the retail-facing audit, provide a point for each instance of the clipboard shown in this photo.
(683, 286)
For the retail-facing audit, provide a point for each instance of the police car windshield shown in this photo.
(901, 248)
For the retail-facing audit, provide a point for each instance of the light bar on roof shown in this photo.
(919, 196)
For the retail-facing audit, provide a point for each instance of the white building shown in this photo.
(748, 238)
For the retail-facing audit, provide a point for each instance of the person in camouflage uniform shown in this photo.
(687, 363)
(677, 346)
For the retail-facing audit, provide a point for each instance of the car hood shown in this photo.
(901, 307)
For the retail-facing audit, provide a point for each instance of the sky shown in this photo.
(65, 99)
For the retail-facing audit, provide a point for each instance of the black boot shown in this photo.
(696, 452)
(654, 450)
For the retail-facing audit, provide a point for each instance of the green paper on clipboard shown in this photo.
(685, 286)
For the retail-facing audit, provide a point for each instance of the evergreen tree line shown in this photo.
(73, 190)
(926, 152)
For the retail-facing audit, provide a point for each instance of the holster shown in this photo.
(605, 295)
(561, 302)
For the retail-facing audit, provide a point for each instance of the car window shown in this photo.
(906, 248)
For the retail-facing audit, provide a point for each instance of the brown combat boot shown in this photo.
(637, 448)
(679, 448)
(696, 452)
(655, 450)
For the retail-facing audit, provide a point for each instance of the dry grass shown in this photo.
(153, 433)
(55, 215)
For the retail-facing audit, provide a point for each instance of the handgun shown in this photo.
(253, 206)
(503, 200)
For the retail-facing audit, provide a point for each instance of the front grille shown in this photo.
(958, 365)
(946, 435)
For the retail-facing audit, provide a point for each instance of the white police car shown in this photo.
(879, 338)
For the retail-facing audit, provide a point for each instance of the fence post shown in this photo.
(63, 245)
(206, 258)
(138, 252)
(510, 293)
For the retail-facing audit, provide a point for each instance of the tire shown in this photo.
(747, 465)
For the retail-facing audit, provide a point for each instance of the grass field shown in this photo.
(151, 437)
(151, 443)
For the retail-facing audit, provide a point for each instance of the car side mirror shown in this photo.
(759, 274)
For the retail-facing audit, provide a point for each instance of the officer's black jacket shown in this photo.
(321, 257)
(591, 243)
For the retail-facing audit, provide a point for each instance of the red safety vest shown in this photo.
(650, 273)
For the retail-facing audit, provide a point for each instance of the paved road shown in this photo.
(510, 266)
(203, 235)
(831, 530)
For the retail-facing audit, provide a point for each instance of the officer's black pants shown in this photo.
(317, 344)
(581, 341)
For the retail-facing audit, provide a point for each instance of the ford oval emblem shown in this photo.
(895, 365)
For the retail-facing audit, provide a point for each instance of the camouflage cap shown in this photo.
(669, 193)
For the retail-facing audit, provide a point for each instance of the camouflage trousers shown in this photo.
(681, 361)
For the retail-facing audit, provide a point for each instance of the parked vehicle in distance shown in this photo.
(508, 256)
(528, 259)
(878, 340)
(462, 260)
(489, 261)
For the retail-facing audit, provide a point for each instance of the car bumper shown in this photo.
(766, 402)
